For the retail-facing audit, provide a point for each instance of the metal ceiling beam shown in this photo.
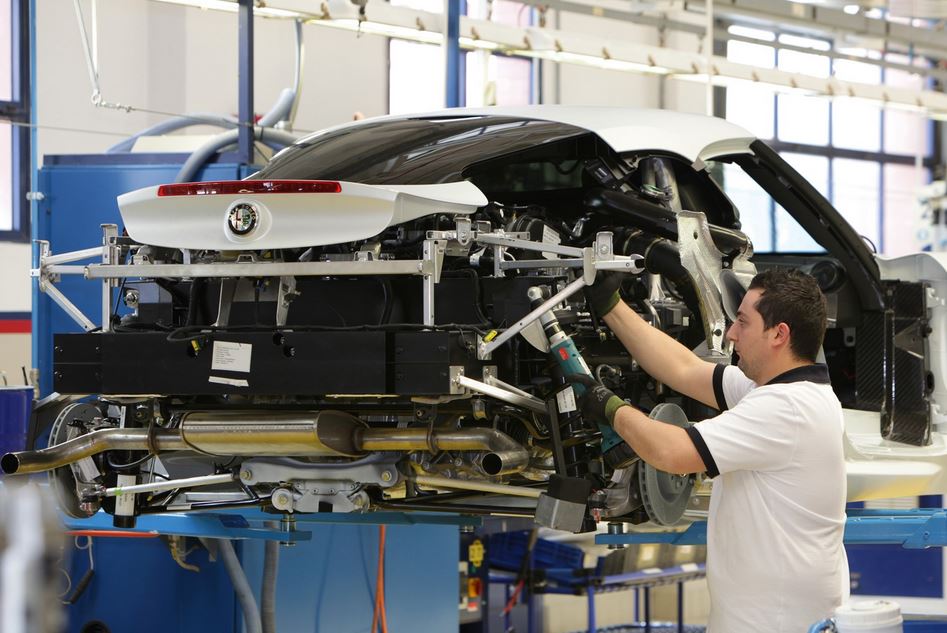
(777, 14)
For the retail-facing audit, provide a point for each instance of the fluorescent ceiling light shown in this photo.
(231, 6)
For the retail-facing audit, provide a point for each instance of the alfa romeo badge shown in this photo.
(242, 218)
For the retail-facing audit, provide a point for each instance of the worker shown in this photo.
(775, 560)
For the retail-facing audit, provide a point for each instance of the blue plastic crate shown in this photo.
(16, 405)
(506, 551)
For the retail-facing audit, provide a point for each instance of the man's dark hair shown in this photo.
(794, 298)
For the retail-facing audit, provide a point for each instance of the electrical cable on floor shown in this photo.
(379, 616)
(83, 583)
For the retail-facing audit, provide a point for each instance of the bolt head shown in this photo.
(246, 474)
(386, 475)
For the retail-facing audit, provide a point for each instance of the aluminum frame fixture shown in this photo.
(590, 260)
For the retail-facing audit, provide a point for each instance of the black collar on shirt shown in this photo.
(817, 373)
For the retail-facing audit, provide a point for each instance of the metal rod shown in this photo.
(542, 263)
(559, 297)
(260, 269)
(69, 307)
(526, 401)
(60, 269)
(72, 256)
(189, 482)
(461, 484)
(109, 256)
(430, 249)
(492, 380)
(527, 245)
(462, 508)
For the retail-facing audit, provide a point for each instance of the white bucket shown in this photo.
(864, 616)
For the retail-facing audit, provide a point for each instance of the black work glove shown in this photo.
(597, 403)
(603, 294)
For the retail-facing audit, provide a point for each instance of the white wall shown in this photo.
(172, 59)
(15, 282)
(582, 85)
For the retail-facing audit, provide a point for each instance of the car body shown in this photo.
(365, 322)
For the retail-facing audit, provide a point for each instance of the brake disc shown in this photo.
(62, 480)
(665, 496)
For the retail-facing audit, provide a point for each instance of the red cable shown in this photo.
(381, 578)
(512, 601)
(379, 614)
(112, 533)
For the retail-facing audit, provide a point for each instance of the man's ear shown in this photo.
(781, 334)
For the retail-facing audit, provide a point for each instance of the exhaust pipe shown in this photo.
(503, 457)
(320, 434)
(25, 462)
(326, 433)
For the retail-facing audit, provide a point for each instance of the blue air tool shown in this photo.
(615, 450)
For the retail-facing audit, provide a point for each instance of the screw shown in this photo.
(386, 475)
(246, 474)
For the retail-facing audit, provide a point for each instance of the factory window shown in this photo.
(859, 155)
(417, 72)
(14, 112)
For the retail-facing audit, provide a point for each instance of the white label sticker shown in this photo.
(236, 382)
(125, 503)
(88, 469)
(230, 356)
(550, 237)
(565, 400)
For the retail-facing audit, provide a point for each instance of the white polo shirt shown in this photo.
(775, 560)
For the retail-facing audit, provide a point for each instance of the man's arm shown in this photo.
(661, 356)
(664, 446)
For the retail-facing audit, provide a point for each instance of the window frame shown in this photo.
(17, 113)
(829, 151)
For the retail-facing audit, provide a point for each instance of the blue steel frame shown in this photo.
(577, 581)
(19, 112)
(455, 80)
(250, 523)
(245, 81)
(911, 529)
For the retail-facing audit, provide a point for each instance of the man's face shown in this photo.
(750, 340)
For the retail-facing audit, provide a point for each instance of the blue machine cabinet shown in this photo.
(78, 196)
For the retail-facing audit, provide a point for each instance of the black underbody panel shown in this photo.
(286, 362)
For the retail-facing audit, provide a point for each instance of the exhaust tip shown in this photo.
(9, 463)
(492, 464)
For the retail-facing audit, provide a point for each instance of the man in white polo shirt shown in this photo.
(775, 560)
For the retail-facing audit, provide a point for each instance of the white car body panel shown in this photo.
(288, 220)
(692, 136)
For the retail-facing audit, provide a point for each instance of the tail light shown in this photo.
(236, 187)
